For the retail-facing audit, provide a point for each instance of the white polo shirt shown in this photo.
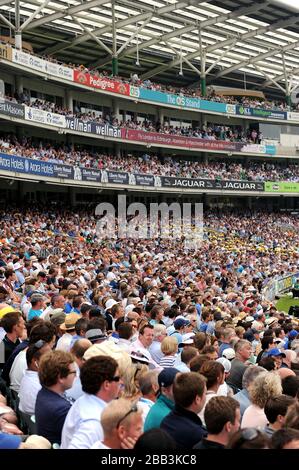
(82, 426)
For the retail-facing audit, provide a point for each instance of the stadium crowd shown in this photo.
(183, 91)
(151, 164)
(126, 343)
(210, 132)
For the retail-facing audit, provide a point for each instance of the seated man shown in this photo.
(56, 374)
(222, 417)
(122, 425)
(100, 381)
(183, 423)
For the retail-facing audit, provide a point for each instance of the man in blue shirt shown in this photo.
(37, 306)
(57, 372)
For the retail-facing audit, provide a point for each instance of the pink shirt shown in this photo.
(254, 417)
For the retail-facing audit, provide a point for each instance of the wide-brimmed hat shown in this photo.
(70, 321)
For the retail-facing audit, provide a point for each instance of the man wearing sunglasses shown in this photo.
(101, 382)
(122, 425)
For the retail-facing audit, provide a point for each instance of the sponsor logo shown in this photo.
(82, 78)
(134, 91)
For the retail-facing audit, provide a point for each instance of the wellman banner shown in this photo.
(101, 83)
(8, 108)
(92, 127)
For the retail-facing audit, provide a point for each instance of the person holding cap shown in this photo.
(165, 403)
(277, 356)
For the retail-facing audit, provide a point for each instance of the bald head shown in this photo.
(290, 357)
(285, 372)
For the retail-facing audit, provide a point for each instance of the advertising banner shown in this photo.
(44, 117)
(28, 60)
(293, 116)
(60, 71)
(279, 285)
(5, 52)
(12, 109)
(92, 127)
(184, 102)
(36, 63)
(258, 148)
(190, 142)
(116, 177)
(101, 83)
(171, 181)
(261, 113)
(87, 174)
(35, 167)
(142, 180)
(281, 187)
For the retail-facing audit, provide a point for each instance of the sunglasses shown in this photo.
(116, 378)
(134, 409)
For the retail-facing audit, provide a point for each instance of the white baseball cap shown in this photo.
(229, 354)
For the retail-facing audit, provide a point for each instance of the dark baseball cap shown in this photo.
(167, 376)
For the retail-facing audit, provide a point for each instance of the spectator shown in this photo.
(165, 401)
(275, 410)
(222, 418)
(56, 374)
(265, 385)
(30, 384)
(101, 382)
(122, 425)
(183, 423)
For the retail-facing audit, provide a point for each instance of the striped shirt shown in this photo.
(167, 361)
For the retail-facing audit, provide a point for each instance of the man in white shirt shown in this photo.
(101, 382)
(143, 343)
(30, 384)
(64, 343)
(122, 425)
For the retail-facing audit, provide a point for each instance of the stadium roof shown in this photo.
(231, 41)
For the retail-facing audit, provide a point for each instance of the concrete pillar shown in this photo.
(116, 150)
(204, 121)
(72, 197)
(18, 40)
(160, 116)
(68, 99)
(115, 108)
(124, 115)
(205, 157)
(114, 66)
(19, 84)
(203, 85)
